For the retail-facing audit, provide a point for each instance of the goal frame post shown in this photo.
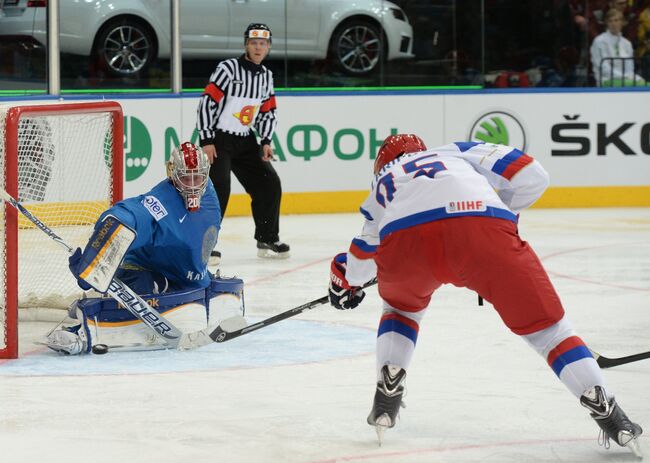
(12, 120)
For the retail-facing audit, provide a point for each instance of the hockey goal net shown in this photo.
(63, 162)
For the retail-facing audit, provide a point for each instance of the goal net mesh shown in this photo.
(65, 180)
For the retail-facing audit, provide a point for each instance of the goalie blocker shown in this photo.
(97, 265)
(103, 322)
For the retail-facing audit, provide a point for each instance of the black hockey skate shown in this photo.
(612, 420)
(278, 250)
(388, 399)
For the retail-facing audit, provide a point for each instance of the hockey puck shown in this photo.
(100, 349)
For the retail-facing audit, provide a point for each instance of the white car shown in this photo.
(127, 35)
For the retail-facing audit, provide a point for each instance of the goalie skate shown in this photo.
(612, 420)
(68, 341)
(388, 400)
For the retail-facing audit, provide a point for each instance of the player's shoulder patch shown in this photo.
(154, 206)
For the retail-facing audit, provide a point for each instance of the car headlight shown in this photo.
(398, 14)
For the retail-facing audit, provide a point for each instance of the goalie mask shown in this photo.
(188, 169)
(396, 145)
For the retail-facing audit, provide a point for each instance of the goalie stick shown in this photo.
(606, 362)
(117, 290)
(221, 335)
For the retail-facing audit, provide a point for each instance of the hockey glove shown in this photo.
(73, 263)
(341, 295)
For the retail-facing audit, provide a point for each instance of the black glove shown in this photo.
(341, 295)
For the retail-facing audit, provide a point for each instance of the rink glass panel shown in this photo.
(454, 43)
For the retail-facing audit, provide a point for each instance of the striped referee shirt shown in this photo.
(239, 96)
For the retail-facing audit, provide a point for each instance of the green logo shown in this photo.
(137, 148)
(499, 127)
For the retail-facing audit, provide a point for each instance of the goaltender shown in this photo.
(158, 244)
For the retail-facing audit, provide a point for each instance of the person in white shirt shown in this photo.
(612, 55)
(449, 215)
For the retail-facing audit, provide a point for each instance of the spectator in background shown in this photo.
(589, 16)
(612, 55)
(630, 18)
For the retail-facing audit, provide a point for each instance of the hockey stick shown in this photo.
(221, 335)
(117, 290)
(605, 362)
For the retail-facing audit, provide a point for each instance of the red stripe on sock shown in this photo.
(564, 346)
(406, 321)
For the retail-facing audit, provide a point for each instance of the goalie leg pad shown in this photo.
(225, 302)
(113, 325)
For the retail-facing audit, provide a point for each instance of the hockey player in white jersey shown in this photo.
(449, 215)
(158, 244)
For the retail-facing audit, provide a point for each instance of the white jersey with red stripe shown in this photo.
(455, 180)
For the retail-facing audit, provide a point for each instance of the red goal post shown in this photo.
(64, 163)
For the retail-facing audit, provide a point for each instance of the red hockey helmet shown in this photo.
(188, 169)
(396, 145)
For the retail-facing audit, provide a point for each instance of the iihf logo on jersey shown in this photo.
(466, 206)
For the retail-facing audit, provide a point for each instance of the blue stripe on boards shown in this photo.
(570, 356)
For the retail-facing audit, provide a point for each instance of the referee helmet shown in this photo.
(257, 31)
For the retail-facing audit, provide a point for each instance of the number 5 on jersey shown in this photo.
(428, 169)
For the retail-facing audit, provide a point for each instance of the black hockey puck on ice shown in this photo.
(100, 349)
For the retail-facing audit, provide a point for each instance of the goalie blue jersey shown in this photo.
(170, 240)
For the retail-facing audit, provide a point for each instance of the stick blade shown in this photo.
(234, 323)
(228, 328)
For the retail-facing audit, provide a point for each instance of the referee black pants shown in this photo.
(242, 156)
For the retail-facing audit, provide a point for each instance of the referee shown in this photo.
(240, 97)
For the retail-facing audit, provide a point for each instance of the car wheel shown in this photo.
(357, 47)
(125, 47)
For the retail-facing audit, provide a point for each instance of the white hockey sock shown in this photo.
(396, 337)
(568, 357)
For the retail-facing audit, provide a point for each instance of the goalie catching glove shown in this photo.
(341, 295)
(95, 267)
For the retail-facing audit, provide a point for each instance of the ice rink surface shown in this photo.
(299, 391)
